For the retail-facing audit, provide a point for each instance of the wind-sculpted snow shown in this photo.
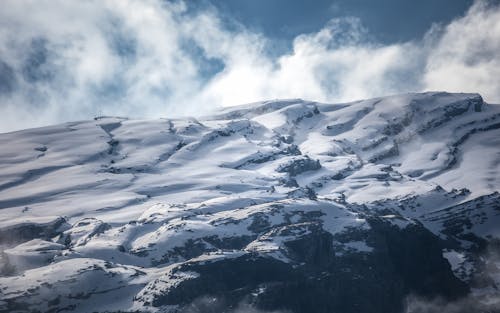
(264, 206)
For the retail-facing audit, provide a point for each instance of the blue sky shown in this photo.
(67, 60)
(388, 20)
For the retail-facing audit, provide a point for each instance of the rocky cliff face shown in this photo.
(382, 205)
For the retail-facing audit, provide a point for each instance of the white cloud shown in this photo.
(63, 60)
(334, 64)
(467, 56)
(79, 42)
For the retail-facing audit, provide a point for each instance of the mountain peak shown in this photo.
(267, 204)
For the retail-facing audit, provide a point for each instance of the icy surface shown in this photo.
(125, 202)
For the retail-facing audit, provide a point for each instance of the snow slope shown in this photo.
(127, 203)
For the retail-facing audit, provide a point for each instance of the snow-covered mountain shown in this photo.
(371, 206)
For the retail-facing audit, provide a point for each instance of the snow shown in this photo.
(360, 246)
(455, 258)
(33, 254)
(129, 196)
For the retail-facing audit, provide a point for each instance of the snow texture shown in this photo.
(103, 213)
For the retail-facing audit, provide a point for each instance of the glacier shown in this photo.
(285, 205)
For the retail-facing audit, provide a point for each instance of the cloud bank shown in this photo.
(62, 61)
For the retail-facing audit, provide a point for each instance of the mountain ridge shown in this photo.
(263, 206)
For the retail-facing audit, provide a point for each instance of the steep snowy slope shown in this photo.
(269, 205)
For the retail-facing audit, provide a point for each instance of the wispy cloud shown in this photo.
(63, 60)
(207, 304)
(466, 55)
(483, 298)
